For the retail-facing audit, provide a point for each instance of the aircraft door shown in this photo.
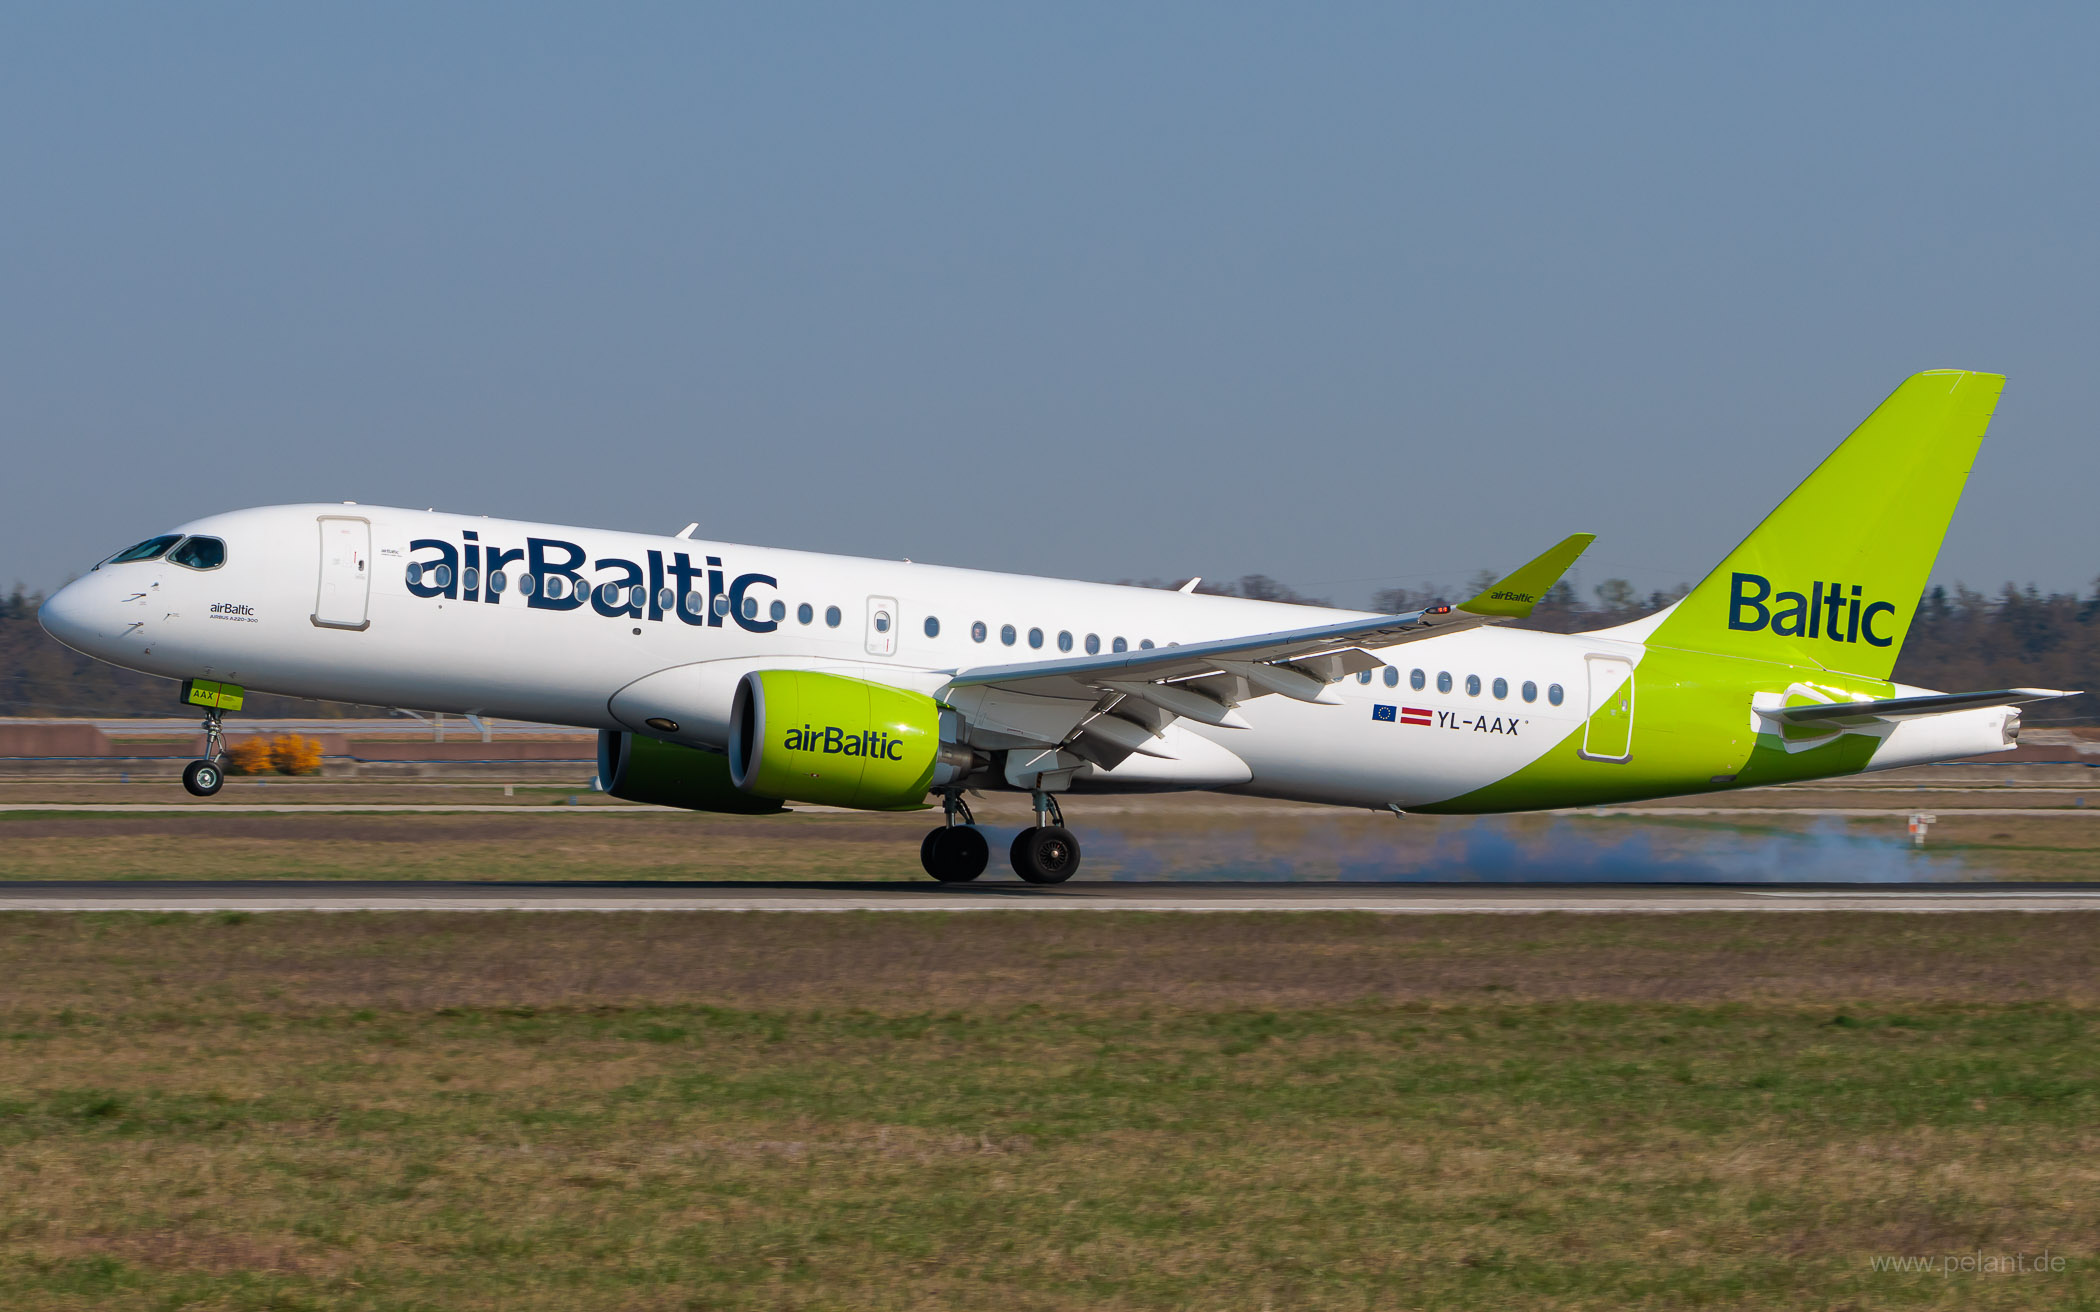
(882, 626)
(346, 573)
(1608, 736)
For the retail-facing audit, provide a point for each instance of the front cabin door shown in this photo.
(346, 573)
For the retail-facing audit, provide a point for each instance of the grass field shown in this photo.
(1045, 1111)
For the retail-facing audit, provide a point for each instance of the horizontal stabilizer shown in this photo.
(1845, 714)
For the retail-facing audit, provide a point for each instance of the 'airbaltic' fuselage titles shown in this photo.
(560, 575)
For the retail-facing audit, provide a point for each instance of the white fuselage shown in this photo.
(317, 601)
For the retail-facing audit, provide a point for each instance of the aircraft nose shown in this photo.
(77, 615)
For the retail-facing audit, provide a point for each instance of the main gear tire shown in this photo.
(1046, 854)
(955, 855)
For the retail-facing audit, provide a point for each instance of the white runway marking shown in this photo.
(1386, 899)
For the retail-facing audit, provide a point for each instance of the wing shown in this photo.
(1105, 707)
(1854, 714)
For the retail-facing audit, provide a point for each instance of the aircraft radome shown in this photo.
(737, 678)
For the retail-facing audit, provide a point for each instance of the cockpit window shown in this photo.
(199, 553)
(150, 549)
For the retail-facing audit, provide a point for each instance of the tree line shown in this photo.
(1961, 640)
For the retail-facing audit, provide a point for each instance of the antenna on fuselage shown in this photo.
(687, 531)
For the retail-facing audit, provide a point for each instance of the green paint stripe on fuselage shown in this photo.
(1692, 733)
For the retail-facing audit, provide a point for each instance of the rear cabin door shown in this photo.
(882, 626)
(346, 573)
(1609, 734)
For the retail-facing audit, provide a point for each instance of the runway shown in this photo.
(1007, 895)
(206, 807)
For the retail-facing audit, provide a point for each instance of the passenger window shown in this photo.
(693, 604)
(721, 603)
(665, 598)
(978, 631)
(499, 581)
(1363, 676)
(805, 613)
(1119, 645)
(527, 584)
(750, 608)
(1472, 685)
(469, 577)
(1145, 644)
(1064, 640)
(414, 574)
(1501, 689)
(1035, 637)
(1553, 693)
(1006, 634)
(440, 576)
(831, 617)
(1416, 679)
(203, 553)
(1531, 691)
(1093, 644)
(150, 549)
(1392, 676)
(1443, 681)
(778, 611)
(637, 596)
(933, 627)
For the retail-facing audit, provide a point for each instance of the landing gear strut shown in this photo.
(205, 777)
(956, 853)
(1046, 852)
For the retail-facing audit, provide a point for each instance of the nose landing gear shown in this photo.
(956, 853)
(205, 777)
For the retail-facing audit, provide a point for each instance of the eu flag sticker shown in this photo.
(1386, 713)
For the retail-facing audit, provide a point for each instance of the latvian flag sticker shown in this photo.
(1414, 715)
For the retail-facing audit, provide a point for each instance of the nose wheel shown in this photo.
(205, 777)
(1046, 852)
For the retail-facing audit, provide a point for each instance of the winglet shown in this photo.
(1527, 587)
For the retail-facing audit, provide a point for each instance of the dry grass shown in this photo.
(1124, 1111)
(1129, 838)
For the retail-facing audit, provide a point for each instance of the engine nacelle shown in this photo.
(638, 769)
(806, 736)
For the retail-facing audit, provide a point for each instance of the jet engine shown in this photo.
(638, 769)
(806, 736)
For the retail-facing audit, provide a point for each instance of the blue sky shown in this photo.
(1353, 296)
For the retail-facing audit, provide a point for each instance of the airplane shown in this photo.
(732, 678)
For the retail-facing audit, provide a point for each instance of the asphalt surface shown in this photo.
(607, 808)
(1009, 895)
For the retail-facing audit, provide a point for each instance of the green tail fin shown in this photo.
(1832, 578)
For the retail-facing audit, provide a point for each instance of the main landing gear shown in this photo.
(205, 777)
(1046, 852)
(956, 853)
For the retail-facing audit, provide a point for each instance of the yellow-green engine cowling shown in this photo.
(634, 768)
(805, 736)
